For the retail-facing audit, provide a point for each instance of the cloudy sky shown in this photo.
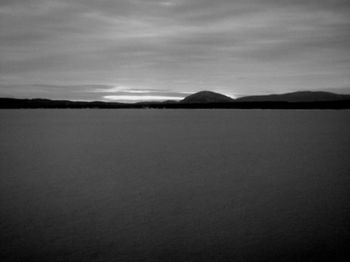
(130, 50)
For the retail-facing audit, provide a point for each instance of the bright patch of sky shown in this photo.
(88, 49)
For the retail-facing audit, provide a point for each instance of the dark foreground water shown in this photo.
(182, 185)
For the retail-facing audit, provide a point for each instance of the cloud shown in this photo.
(120, 89)
(126, 94)
(90, 92)
(139, 98)
(235, 47)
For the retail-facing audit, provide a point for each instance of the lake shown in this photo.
(174, 185)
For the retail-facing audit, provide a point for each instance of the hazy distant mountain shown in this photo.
(304, 96)
(207, 97)
(203, 99)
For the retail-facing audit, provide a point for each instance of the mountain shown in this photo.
(207, 97)
(203, 99)
(295, 97)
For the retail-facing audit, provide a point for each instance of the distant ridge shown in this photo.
(207, 97)
(302, 96)
(203, 99)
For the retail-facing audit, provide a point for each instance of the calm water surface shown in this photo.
(174, 185)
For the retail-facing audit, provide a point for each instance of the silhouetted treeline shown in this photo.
(12, 103)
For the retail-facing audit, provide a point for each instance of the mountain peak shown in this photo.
(207, 97)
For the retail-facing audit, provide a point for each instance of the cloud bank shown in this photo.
(72, 49)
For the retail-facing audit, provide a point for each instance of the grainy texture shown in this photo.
(182, 185)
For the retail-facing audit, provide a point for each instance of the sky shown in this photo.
(133, 50)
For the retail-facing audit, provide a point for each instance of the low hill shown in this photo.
(207, 97)
(47, 103)
(304, 96)
(204, 99)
